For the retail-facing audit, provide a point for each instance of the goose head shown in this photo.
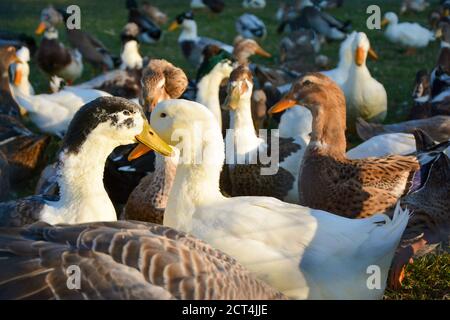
(240, 87)
(390, 18)
(161, 80)
(50, 17)
(111, 122)
(316, 92)
(245, 48)
(184, 20)
(361, 48)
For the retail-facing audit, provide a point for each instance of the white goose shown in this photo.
(365, 96)
(302, 252)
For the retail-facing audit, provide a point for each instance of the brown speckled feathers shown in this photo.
(119, 260)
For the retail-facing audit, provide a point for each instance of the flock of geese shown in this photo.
(144, 225)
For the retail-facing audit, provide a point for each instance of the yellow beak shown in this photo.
(282, 105)
(149, 140)
(446, 12)
(384, 23)
(438, 33)
(41, 28)
(174, 26)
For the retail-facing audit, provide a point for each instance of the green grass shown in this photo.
(428, 277)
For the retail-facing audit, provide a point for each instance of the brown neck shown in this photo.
(328, 134)
(4, 79)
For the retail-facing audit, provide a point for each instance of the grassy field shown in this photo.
(430, 276)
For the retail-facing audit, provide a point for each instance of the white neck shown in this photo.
(360, 72)
(189, 31)
(24, 86)
(130, 56)
(83, 197)
(51, 34)
(196, 184)
(243, 131)
(208, 94)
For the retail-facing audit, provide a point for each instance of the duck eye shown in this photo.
(307, 83)
(163, 115)
(126, 112)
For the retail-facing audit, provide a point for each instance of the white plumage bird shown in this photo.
(411, 35)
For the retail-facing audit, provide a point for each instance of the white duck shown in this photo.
(340, 73)
(96, 129)
(302, 252)
(51, 113)
(208, 88)
(21, 71)
(365, 96)
(410, 35)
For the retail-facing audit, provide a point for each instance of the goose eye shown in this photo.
(163, 115)
(126, 113)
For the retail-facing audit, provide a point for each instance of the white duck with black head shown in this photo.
(96, 129)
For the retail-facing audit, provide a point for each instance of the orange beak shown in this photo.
(138, 152)
(282, 105)
(18, 77)
(41, 28)
(174, 26)
(372, 54)
(263, 53)
(359, 56)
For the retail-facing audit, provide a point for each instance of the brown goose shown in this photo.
(161, 81)
(328, 179)
(120, 260)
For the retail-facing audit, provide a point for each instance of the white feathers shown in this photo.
(405, 33)
(254, 4)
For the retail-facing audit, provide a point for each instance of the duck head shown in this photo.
(422, 84)
(362, 50)
(245, 48)
(111, 121)
(185, 20)
(240, 86)
(20, 71)
(50, 17)
(389, 18)
(161, 80)
(314, 91)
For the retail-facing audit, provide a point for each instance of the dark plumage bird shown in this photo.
(149, 32)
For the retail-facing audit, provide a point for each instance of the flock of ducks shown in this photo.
(142, 225)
